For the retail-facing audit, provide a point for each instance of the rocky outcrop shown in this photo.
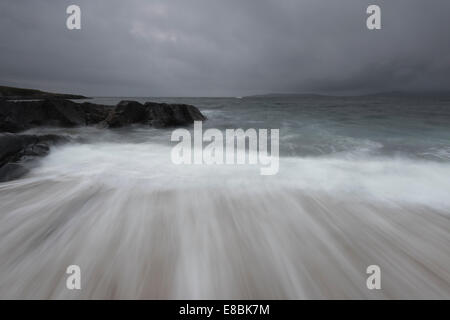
(166, 115)
(126, 113)
(18, 150)
(23, 115)
(19, 116)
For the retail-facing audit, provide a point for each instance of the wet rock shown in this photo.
(126, 113)
(172, 115)
(16, 150)
(23, 115)
(19, 116)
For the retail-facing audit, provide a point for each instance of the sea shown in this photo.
(362, 181)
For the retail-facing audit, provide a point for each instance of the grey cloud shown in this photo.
(224, 47)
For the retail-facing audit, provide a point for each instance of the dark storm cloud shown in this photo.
(226, 47)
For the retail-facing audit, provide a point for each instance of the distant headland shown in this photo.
(12, 93)
(382, 94)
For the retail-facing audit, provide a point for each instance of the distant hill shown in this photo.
(390, 94)
(11, 93)
(407, 94)
(287, 95)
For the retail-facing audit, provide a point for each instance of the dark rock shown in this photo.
(95, 113)
(23, 115)
(12, 171)
(19, 116)
(11, 146)
(16, 150)
(167, 115)
(126, 113)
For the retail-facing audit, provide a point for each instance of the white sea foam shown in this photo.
(149, 165)
(142, 227)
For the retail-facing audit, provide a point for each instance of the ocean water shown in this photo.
(362, 181)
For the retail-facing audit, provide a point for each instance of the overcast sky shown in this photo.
(224, 47)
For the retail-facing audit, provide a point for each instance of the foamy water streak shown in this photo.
(141, 227)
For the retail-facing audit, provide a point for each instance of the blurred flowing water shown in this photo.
(362, 181)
